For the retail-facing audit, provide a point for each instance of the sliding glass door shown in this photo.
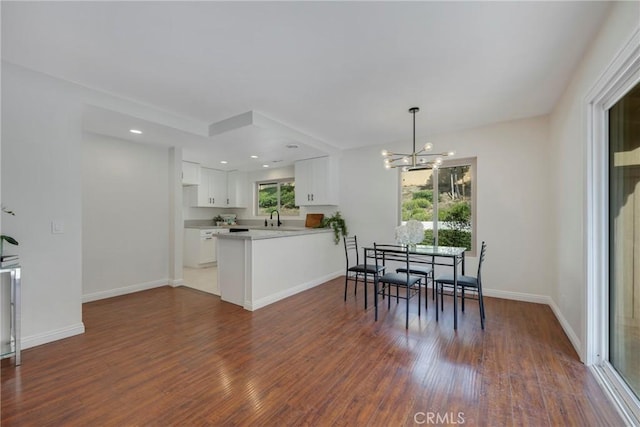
(624, 238)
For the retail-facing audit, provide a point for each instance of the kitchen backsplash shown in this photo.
(251, 222)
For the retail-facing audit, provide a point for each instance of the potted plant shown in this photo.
(336, 222)
(218, 220)
(5, 238)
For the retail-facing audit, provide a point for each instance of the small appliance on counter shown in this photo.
(229, 219)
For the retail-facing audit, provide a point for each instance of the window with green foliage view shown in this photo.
(443, 200)
(278, 195)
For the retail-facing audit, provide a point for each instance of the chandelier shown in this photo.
(423, 159)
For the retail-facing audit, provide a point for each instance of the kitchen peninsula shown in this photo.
(261, 266)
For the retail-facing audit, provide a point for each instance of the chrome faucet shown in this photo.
(271, 217)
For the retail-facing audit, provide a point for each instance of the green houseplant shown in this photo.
(337, 223)
(4, 237)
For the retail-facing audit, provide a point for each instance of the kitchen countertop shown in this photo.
(259, 233)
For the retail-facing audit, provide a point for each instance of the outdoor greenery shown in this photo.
(454, 204)
(419, 206)
(277, 195)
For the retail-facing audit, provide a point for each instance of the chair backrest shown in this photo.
(351, 245)
(384, 253)
(483, 252)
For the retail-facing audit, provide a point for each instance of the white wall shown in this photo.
(568, 133)
(41, 169)
(513, 202)
(42, 182)
(125, 216)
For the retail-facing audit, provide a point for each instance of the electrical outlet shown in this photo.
(57, 227)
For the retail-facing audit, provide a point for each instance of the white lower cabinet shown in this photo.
(200, 246)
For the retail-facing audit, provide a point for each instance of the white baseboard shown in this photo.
(50, 336)
(124, 290)
(517, 296)
(575, 341)
(541, 299)
(176, 283)
(262, 302)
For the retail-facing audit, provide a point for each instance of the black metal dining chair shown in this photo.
(468, 283)
(425, 271)
(411, 284)
(355, 271)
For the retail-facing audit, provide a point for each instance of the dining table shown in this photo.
(450, 256)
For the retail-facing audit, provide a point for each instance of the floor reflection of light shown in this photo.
(429, 362)
(253, 392)
(225, 381)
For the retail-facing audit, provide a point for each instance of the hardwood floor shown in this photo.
(182, 357)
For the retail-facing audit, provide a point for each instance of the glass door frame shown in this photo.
(618, 79)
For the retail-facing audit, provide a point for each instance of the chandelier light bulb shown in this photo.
(422, 158)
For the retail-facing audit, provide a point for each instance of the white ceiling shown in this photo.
(338, 74)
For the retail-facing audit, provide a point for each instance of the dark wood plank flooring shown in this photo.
(182, 357)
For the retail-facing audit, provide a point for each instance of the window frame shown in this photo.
(472, 162)
(279, 182)
(620, 75)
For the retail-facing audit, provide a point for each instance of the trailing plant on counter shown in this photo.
(338, 224)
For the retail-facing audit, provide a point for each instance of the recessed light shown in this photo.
(292, 146)
(254, 157)
(265, 166)
(224, 162)
(136, 131)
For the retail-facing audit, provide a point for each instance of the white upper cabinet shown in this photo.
(220, 189)
(212, 189)
(237, 189)
(190, 173)
(317, 181)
